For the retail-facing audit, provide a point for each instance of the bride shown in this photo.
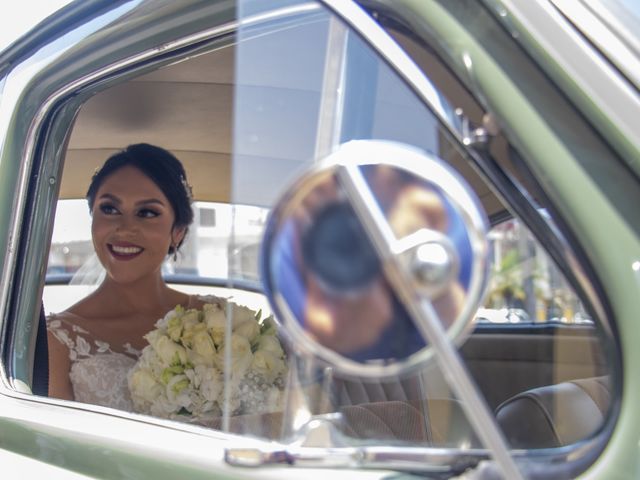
(140, 205)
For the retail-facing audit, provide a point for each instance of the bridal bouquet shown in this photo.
(180, 373)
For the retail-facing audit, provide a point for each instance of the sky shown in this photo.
(15, 22)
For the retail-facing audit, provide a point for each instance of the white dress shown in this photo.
(99, 372)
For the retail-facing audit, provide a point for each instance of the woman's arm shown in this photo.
(59, 366)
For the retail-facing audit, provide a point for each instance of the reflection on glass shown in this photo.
(332, 279)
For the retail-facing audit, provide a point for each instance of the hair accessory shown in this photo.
(187, 188)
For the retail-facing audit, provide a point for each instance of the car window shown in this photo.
(73, 269)
(248, 116)
(525, 285)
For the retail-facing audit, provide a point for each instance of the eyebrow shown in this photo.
(147, 201)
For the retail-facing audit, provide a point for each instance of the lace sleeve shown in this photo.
(78, 341)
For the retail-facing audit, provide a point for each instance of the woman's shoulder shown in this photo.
(67, 328)
(64, 319)
(77, 314)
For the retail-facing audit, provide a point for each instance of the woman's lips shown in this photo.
(124, 252)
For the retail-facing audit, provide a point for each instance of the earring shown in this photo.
(175, 253)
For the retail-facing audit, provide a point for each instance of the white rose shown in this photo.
(202, 345)
(190, 331)
(271, 344)
(190, 317)
(178, 391)
(174, 328)
(210, 382)
(241, 314)
(149, 360)
(144, 387)
(152, 336)
(216, 322)
(241, 356)
(267, 364)
(168, 350)
(249, 330)
(162, 323)
(163, 407)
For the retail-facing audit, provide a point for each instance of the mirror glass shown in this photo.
(363, 243)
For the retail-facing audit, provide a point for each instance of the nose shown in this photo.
(127, 225)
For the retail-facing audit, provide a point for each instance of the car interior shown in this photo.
(546, 377)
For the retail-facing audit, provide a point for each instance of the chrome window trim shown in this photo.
(35, 126)
(511, 192)
(378, 39)
(581, 14)
(26, 164)
(16, 389)
(16, 233)
(404, 66)
(583, 64)
(457, 373)
(16, 88)
(46, 107)
(415, 79)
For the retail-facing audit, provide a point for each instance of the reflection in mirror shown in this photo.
(333, 270)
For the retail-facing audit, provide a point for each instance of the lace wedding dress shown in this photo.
(99, 371)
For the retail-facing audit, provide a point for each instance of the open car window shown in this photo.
(249, 107)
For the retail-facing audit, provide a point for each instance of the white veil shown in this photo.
(91, 273)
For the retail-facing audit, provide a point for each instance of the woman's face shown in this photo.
(132, 226)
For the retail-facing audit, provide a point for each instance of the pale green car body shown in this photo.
(581, 141)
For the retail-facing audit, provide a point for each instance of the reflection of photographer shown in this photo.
(331, 276)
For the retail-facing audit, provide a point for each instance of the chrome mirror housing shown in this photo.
(363, 248)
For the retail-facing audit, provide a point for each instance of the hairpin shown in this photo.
(187, 188)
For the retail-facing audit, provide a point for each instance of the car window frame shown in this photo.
(45, 134)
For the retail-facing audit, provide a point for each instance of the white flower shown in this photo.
(267, 364)
(202, 345)
(241, 356)
(249, 329)
(177, 391)
(216, 322)
(163, 407)
(168, 350)
(209, 382)
(175, 313)
(270, 343)
(241, 314)
(191, 317)
(143, 386)
(181, 370)
(174, 328)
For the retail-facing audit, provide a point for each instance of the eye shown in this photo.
(108, 209)
(147, 213)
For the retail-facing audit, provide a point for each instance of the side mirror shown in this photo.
(364, 249)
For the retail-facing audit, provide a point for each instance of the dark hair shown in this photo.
(162, 167)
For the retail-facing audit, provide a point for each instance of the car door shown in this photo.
(250, 95)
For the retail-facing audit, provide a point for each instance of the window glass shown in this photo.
(525, 284)
(204, 257)
(245, 120)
